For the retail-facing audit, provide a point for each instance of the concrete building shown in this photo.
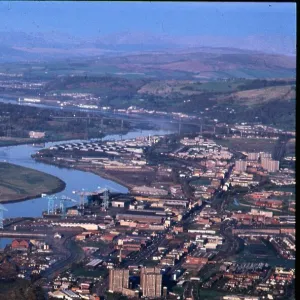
(240, 165)
(118, 279)
(270, 165)
(146, 217)
(265, 155)
(145, 190)
(120, 203)
(36, 134)
(198, 257)
(86, 226)
(253, 156)
(151, 282)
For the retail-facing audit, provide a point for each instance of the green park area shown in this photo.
(19, 183)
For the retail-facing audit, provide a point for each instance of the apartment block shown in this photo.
(151, 282)
(270, 165)
(241, 165)
(118, 279)
(253, 156)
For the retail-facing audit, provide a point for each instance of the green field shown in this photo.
(209, 294)
(215, 86)
(201, 181)
(90, 273)
(18, 183)
(245, 144)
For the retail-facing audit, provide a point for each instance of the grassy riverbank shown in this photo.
(99, 172)
(19, 183)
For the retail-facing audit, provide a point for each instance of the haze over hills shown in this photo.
(142, 53)
(42, 42)
(168, 132)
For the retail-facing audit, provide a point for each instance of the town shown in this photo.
(147, 150)
(198, 217)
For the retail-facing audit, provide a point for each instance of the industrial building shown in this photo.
(140, 217)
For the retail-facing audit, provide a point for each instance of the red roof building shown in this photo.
(20, 245)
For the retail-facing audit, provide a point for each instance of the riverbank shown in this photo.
(27, 141)
(116, 179)
(75, 179)
(18, 183)
(99, 172)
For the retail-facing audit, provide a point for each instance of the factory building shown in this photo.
(141, 217)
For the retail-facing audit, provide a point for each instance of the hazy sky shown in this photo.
(93, 18)
(274, 23)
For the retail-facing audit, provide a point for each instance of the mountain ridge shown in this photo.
(130, 42)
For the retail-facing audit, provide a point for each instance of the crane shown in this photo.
(105, 191)
(82, 194)
(105, 201)
(62, 199)
(51, 204)
(2, 209)
(62, 206)
(100, 190)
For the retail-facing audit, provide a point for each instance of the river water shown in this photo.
(74, 179)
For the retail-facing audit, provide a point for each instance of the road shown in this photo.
(147, 253)
(188, 291)
(138, 259)
(71, 255)
(231, 244)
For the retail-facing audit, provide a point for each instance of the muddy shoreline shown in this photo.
(58, 189)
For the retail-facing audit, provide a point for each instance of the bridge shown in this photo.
(140, 120)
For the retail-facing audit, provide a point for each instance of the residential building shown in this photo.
(151, 282)
(241, 165)
(270, 165)
(253, 156)
(118, 279)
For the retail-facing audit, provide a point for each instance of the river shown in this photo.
(74, 179)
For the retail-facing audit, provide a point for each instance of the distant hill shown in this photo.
(156, 54)
(260, 96)
(209, 64)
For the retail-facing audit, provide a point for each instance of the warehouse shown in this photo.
(140, 217)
